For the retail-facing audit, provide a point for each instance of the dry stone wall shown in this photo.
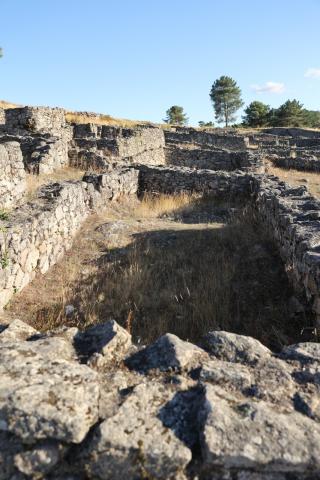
(228, 140)
(99, 146)
(12, 175)
(43, 135)
(35, 119)
(36, 236)
(291, 215)
(214, 158)
(175, 180)
(308, 164)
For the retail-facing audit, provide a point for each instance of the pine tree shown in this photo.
(176, 116)
(226, 99)
(256, 115)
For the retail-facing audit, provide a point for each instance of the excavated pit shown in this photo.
(180, 264)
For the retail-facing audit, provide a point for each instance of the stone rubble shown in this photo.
(188, 413)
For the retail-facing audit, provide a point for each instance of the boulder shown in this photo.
(103, 343)
(167, 353)
(305, 352)
(235, 348)
(45, 398)
(16, 331)
(135, 443)
(244, 434)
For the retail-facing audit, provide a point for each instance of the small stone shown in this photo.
(38, 461)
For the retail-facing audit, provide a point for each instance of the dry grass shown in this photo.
(78, 117)
(184, 278)
(295, 177)
(159, 205)
(34, 182)
(7, 105)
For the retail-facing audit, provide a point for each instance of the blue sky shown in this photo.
(134, 59)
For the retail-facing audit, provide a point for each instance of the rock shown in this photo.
(9, 447)
(16, 331)
(272, 381)
(235, 348)
(223, 373)
(308, 403)
(241, 434)
(303, 352)
(104, 343)
(41, 398)
(38, 461)
(134, 443)
(168, 352)
(53, 347)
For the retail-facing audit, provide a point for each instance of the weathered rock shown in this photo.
(235, 348)
(272, 381)
(135, 443)
(223, 373)
(168, 352)
(42, 398)
(242, 434)
(16, 331)
(104, 343)
(38, 461)
(303, 352)
(9, 447)
(308, 403)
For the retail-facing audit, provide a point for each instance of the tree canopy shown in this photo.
(291, 114)
(176, 116)
(203, 124)
(256, 114)
(226, 99)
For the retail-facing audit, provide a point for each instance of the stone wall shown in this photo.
(175, 180)
(2, 116)
(214, 158)
(36, 235)
(12, 175)
(308, 164)
(43, 135)
(292, 217)
(292, 132)
(35, 120)
(99, 146)
(226, 140)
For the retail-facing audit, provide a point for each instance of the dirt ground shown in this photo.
(184, 265)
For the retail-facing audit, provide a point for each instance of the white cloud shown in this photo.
(270, 87)
(312, 73)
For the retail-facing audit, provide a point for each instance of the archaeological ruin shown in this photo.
(232, 398)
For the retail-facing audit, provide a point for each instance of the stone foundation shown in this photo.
(214, 158)
(12, 175)
(37, 235)
(227, 140)
(99, 146)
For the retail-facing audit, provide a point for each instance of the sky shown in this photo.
(135, 58)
